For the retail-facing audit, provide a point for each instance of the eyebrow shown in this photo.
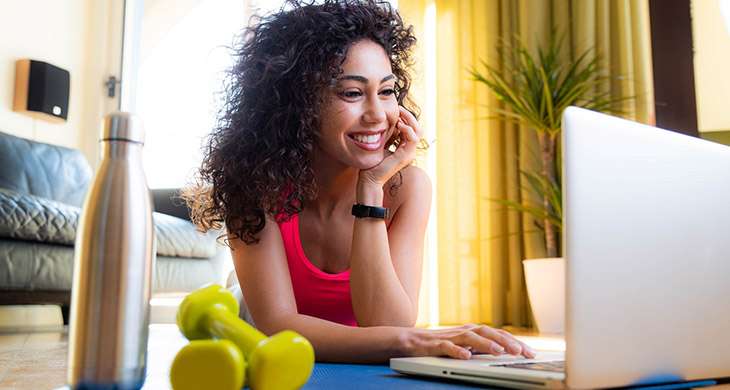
(364, 80)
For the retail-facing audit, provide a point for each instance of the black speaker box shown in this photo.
(41, 90)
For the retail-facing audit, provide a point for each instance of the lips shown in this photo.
(368, 140)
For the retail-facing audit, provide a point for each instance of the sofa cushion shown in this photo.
(49, 171)
(34, 266)
(32, 218)
(179, 238)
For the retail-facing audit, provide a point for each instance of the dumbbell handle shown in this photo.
(223, 324)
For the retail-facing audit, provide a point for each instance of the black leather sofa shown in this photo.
(42, 188)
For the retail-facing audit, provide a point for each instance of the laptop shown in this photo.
(647, 247)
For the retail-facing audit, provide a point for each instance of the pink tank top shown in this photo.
(317, 293)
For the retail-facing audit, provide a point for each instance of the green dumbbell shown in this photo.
(283, 361)
(208, 364)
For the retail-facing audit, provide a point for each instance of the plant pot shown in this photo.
(545, 280)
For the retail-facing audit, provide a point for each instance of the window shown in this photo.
(184, 51)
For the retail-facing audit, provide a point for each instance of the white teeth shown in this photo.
(367, 139)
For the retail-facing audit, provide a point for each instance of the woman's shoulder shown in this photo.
(415, 178)
(412, 183)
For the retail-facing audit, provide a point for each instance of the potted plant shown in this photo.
(535, 90)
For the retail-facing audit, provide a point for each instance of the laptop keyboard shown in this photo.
(554, 366)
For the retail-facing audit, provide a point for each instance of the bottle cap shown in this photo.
(122, 126)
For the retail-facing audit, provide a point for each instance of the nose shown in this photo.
(374, 111)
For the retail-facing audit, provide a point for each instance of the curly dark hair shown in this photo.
(257, 159)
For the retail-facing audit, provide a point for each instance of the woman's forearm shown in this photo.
(378, 297)
(334, 342)
(338, 343)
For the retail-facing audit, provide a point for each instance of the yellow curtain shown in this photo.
(480, 246)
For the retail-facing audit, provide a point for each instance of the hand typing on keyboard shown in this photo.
(461, 342)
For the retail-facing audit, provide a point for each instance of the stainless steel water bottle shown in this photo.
(113, 265)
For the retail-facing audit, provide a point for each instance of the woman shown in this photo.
(314, 123)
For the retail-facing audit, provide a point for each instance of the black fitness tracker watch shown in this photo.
(362, 211)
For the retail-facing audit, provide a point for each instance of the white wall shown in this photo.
(77, 35)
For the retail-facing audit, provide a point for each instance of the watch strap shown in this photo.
(364, 211)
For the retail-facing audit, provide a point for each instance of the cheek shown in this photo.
(342, 116)
(333, 119)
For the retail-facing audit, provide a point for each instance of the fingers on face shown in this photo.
(407, 148)
(409, 131)
(407, 118)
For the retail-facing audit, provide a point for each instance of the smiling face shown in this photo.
(361, 110)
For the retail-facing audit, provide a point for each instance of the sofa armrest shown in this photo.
(168, 201)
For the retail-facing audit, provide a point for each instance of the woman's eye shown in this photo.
(357, 94)
(351, 94)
